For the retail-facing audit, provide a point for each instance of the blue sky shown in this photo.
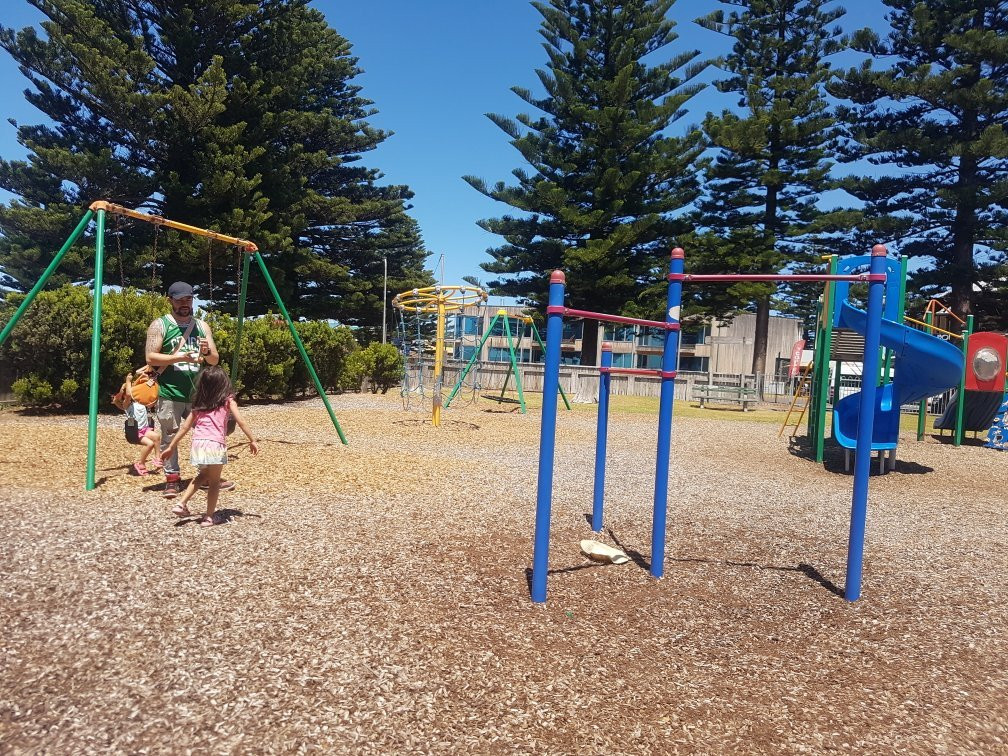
(434, 69)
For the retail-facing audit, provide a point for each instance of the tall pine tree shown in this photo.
(606, 177)
(930, 108)
(771, 161)
(230, 114)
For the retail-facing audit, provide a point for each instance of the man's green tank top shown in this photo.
(178, 380)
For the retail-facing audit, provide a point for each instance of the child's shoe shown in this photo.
(139, 468)
(171, 486)
(154, 465)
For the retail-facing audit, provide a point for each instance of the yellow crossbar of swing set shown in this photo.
(933, 327)
(157, 220)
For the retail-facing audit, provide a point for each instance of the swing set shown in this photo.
(249, 251)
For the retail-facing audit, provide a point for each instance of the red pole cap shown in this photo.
(557, 276)
(879, 250)
(678, 254)
(606, 346)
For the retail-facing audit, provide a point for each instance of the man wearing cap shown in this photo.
(179, 344)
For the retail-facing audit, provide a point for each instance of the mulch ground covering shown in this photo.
(374, 598)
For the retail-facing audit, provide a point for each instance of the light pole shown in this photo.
(384, 299)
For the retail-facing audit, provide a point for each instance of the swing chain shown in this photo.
(153, 281)
(118, 238)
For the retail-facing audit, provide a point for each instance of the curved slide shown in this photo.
(924, 366)
(978, 414)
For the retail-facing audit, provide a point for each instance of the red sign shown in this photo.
(796, 353)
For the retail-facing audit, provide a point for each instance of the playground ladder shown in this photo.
(806, 375)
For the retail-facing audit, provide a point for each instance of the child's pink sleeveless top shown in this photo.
(212, 425)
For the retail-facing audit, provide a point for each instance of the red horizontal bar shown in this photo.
(554, 310)
(728, 277)
(639, 371)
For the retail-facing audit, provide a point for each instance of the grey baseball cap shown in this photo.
(179, 290)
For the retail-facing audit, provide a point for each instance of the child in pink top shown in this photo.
(208, 420)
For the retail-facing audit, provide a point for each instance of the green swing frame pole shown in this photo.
(535, 333)
(96, 319)
(30, 296)
(472, 361)
(236, 356)
(822, 394)
(514, 367)
(961, 393)
(301, 348)
(922, 409)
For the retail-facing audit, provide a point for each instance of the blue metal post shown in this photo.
(547, 437)
(669, 358)
(601, 433)
(866, 426)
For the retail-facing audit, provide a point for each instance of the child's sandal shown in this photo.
(210, 520)
(181, 510)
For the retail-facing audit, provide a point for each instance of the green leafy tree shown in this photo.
(929, 108)
(606, 177)
(236, 115)
(771, 158)
(382, 365)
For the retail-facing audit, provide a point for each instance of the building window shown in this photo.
(573, 330)
(464, 351)
(649, 361)
(570, 359)
(694, 364)
(618, 333)
(622, 360)
(651, 336)
(693, 336)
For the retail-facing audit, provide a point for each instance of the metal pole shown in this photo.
(236, 356)
(961, 394)
(538, 338)
(601, 432)
(547, 439)
(866, 426)
(438, 359)
(26, 303)
(469, 364)
(300, 346)
(922, 409)
(673, 302)
(384, 301)
(514, 363)
(96, 318)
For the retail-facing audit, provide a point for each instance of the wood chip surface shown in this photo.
(375, 598)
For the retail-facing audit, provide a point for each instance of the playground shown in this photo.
(374, 598)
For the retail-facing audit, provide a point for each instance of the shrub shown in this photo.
(382, 365)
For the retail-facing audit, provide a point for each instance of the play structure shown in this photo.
(906, 353)
(99, 210)
(428, 307)
(869, 403)
(524, 324)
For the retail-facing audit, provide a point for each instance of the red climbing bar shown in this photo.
(729, 277)
(568, 312)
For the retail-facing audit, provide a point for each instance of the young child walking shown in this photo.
(150, 438)
(208, 420)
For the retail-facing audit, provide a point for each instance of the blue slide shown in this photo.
(924, 366)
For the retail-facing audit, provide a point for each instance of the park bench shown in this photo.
(708, 392)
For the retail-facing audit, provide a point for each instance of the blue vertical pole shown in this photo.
(601, 432)
(866, 426)
(669, 356)
(547, 436)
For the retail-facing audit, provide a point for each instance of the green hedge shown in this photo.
(50, 349)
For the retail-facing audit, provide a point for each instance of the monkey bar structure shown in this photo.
(99, 210)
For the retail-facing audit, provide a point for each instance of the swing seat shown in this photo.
(500, 399)
(603, 552)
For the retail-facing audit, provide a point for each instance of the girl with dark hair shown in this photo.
(211, 404)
